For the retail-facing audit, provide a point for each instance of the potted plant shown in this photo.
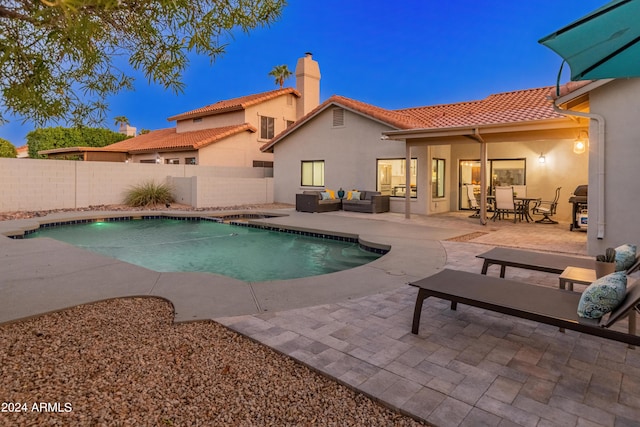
(606, 264)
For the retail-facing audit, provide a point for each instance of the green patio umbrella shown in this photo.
(602, 44)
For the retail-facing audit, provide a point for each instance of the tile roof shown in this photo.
(169, 139)
(234, 104)
(501, 108)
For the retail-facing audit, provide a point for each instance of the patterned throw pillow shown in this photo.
(603, 295)
(355, 195)
(325, 195)
(349, 195)
(625, 257)
(332, 194)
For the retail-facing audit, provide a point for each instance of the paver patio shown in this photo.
(466, 368)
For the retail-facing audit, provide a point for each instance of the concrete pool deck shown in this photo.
(466, 368)
(44, 275)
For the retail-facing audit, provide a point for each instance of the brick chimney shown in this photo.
(308, 84)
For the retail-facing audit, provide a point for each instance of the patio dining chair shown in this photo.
(547, 209)
(473, 203)
(504, 203)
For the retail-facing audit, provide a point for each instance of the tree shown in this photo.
(7, 149)
(59, 137)
(61, 59)
(120, 120)
(281, 73)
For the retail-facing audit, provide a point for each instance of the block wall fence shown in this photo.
(33, 184)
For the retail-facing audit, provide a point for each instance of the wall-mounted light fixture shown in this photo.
(541, 159)
(580, 144)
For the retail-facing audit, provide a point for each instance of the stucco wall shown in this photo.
(350, 153)
(218, 120)
(29, 184)
(282, 108)
(239, 150)
(618, 103)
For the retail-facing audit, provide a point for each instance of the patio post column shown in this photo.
(407, 177)
(483, 177)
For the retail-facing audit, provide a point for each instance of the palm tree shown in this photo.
(120, 120)
(280, 73)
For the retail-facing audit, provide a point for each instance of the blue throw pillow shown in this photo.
(355, 195)
(603, 295)
(325, 195)
(625, 257)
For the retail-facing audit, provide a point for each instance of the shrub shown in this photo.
(7, 149)
(148, 193)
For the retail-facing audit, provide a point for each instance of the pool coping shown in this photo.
(44, 275)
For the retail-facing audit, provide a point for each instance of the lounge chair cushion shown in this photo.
(603, 295)
(625, 256)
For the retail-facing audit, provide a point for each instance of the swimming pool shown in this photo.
(244, 253)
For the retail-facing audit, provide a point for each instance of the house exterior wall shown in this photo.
(239, 150)
(617, 103)
(215, 121)
(350, 153)
(162, 157)
(282, 108)
(562, 168)
(39, 184)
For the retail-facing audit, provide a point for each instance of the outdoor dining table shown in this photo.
(526, 206)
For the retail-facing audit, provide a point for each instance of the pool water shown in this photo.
(244, 253)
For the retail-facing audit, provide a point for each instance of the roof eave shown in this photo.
(205, 113)
(546, 124)
(78, 150)
(584, 90)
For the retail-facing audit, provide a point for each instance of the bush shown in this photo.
(7, 149)
(148, 193)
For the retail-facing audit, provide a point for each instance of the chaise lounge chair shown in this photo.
(550, 263)
(551, 306)
(539, 261)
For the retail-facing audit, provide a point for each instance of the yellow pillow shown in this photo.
(349, 195)
(332, 194)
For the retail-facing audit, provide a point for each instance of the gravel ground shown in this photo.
(124, 362)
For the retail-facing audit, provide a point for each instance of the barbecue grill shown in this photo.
(579, 201)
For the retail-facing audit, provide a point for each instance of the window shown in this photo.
(190, 161)
(338, 117)
(437, 178)
(172, 161)
(267, 126)
(392, 178)
(197, 120)
(499, 172)
(312, 173)
(262, 164)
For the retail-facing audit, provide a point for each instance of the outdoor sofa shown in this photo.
(552, 306)
(368, 201)
(312, 201)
